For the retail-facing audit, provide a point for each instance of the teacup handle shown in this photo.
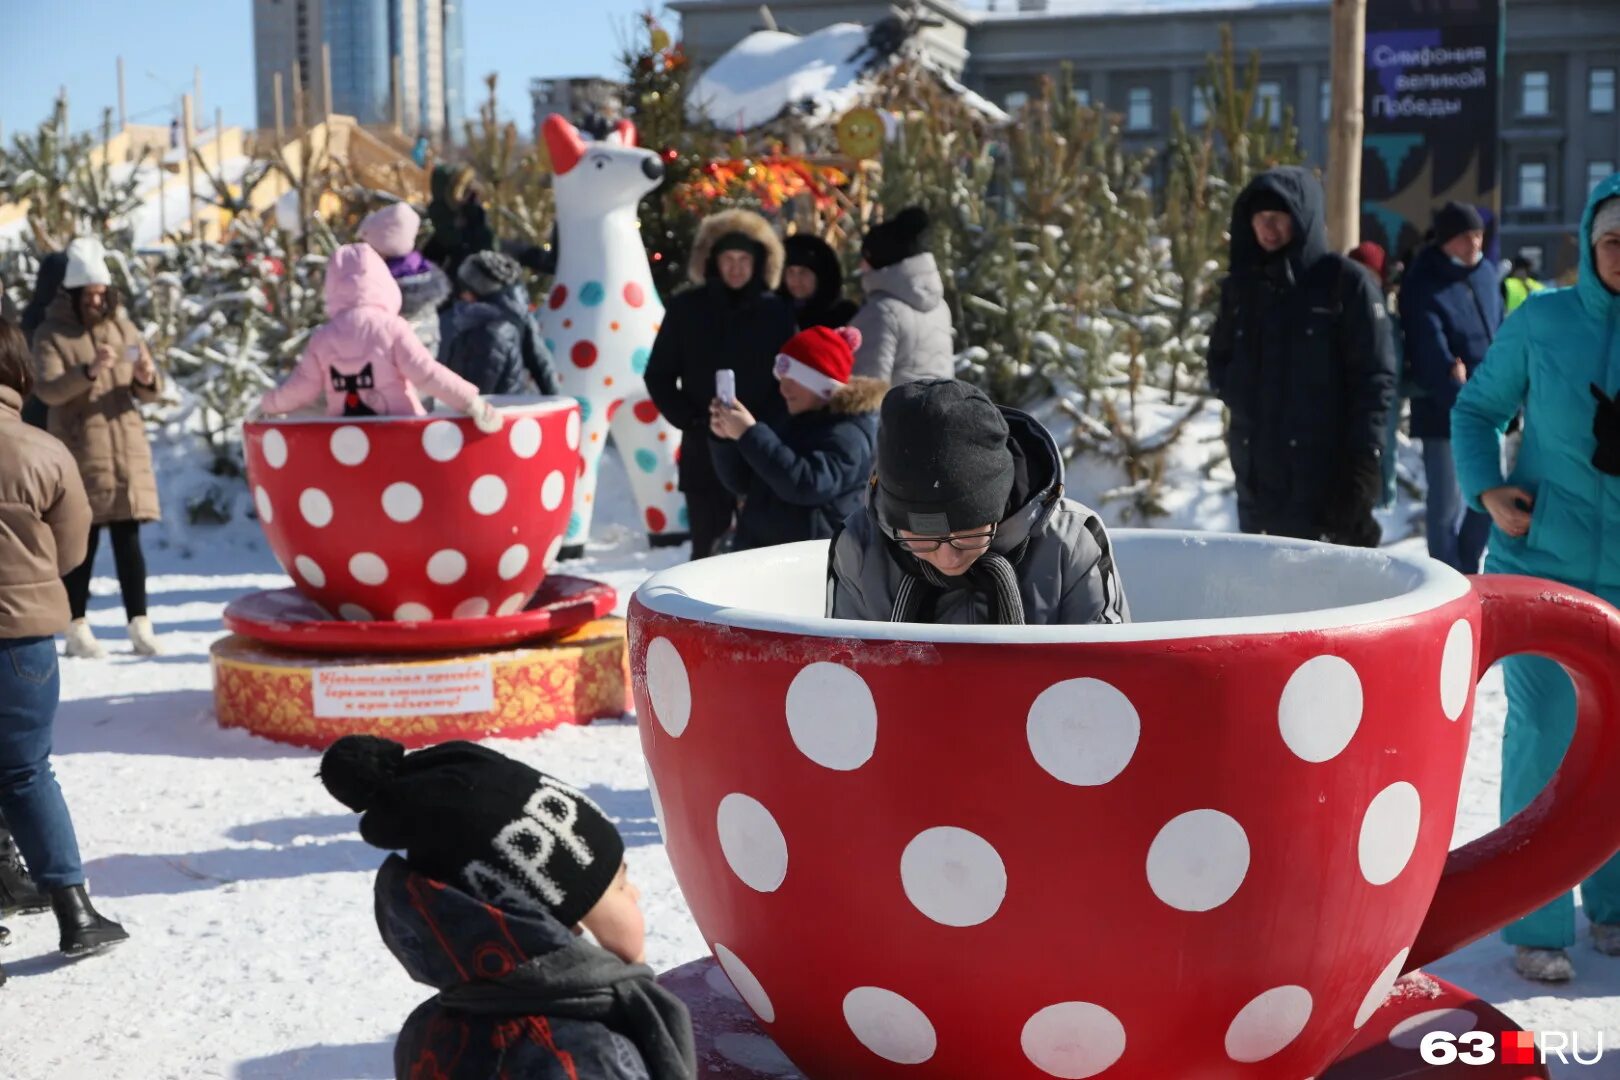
(1571, 828)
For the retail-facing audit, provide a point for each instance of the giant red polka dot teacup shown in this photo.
(1201, 845)
(413, 518)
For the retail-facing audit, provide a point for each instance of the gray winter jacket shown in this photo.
(1066, 574)
(905, 326)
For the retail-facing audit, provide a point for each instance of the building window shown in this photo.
(1082, 96)
(1016, 101)
(1327, 101)
(1535, 94)
(1139, 117)
(1596, 173)
(1199, 115)
(1600, 90)
(1268, 104)
(1533, 185)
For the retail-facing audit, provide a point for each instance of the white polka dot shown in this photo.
(1457, 669)
(1198, 861)
(1320, 708)
(513, 561)
(1073, 1040)
(354, 613)
(310, 571)
(402, 502)
(275, 449)
(513, 604)
(752, 842)
(552, 551)
(953, 876)
(488, 495)
(368, 568)
(572, 434)
(1083, 731)
(552, 491)
(261, 500)
(442, 440)
(755, 1053)
(668, 688)
(753, 994)
(316, 507)
(657, 803)
(890, 1026)
(446, 567)
(1268, 1024)
(475, 607)
(1408, 1034)
(350, 445)
(525, 437)
(832, 717)
(1389, 832)
(412, 613)
(1378, 992)
(719, 985)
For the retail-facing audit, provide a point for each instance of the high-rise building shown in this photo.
(365, 38)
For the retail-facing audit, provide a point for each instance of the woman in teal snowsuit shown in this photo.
(1557, 516)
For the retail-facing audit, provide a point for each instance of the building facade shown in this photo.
(366, 39)
(1560, 129)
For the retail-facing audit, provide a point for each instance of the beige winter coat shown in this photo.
(44, 525)
(99, 420)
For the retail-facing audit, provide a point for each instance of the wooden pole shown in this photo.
(123, 114)
(326, 79)
(281, 124)
(1345, 135)
(298, 98)
(191, 168)
(196, 92)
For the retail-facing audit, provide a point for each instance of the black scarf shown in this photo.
(586, 982)
(991, 574)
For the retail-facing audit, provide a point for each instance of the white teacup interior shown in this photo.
(1179, 584)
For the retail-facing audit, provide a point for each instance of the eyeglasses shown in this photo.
(923, 545)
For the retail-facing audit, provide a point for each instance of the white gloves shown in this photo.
(484, 416)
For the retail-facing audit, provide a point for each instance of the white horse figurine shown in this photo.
(600, 321)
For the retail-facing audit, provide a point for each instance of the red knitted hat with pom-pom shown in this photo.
(820, 358)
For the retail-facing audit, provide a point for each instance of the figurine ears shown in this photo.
(563, 142)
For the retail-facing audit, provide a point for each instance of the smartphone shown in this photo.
(725, 386)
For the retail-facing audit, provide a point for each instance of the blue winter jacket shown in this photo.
(1447, 311)
(1557, 345)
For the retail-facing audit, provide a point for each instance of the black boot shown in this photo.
(18, 893)
(570, 552)
(667, 540)
(84, 929)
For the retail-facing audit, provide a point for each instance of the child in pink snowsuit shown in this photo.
(367, 359)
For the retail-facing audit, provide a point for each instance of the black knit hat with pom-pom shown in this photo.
(897, 239)
(467, 816)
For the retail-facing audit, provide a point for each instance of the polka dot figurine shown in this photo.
(602, 316)
(1204, 844)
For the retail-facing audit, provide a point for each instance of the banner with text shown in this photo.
(1432, 86)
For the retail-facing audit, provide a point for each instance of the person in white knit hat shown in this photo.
(95, 372)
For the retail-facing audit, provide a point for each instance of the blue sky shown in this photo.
(45, 44)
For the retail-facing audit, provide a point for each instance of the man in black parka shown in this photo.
(1301, 354)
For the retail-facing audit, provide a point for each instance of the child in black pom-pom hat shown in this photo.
(504, 868)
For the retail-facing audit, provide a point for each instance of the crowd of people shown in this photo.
(807, 416)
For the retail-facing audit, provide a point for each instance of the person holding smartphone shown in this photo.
(1556, 515)
(94, 371)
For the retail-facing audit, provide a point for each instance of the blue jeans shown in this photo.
(30, 799)
(1457, 535)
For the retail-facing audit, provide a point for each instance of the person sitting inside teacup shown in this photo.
(967, 523)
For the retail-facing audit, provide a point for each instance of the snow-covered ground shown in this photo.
(248, 891)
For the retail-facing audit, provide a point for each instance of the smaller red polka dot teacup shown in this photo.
(413, 518)
(1201, 845)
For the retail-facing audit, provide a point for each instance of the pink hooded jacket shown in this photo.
(365, 330)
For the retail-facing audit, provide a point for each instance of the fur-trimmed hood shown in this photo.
(858, 397)
(750, 225)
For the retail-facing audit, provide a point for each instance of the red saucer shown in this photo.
(288, 618)
(733, 1045)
